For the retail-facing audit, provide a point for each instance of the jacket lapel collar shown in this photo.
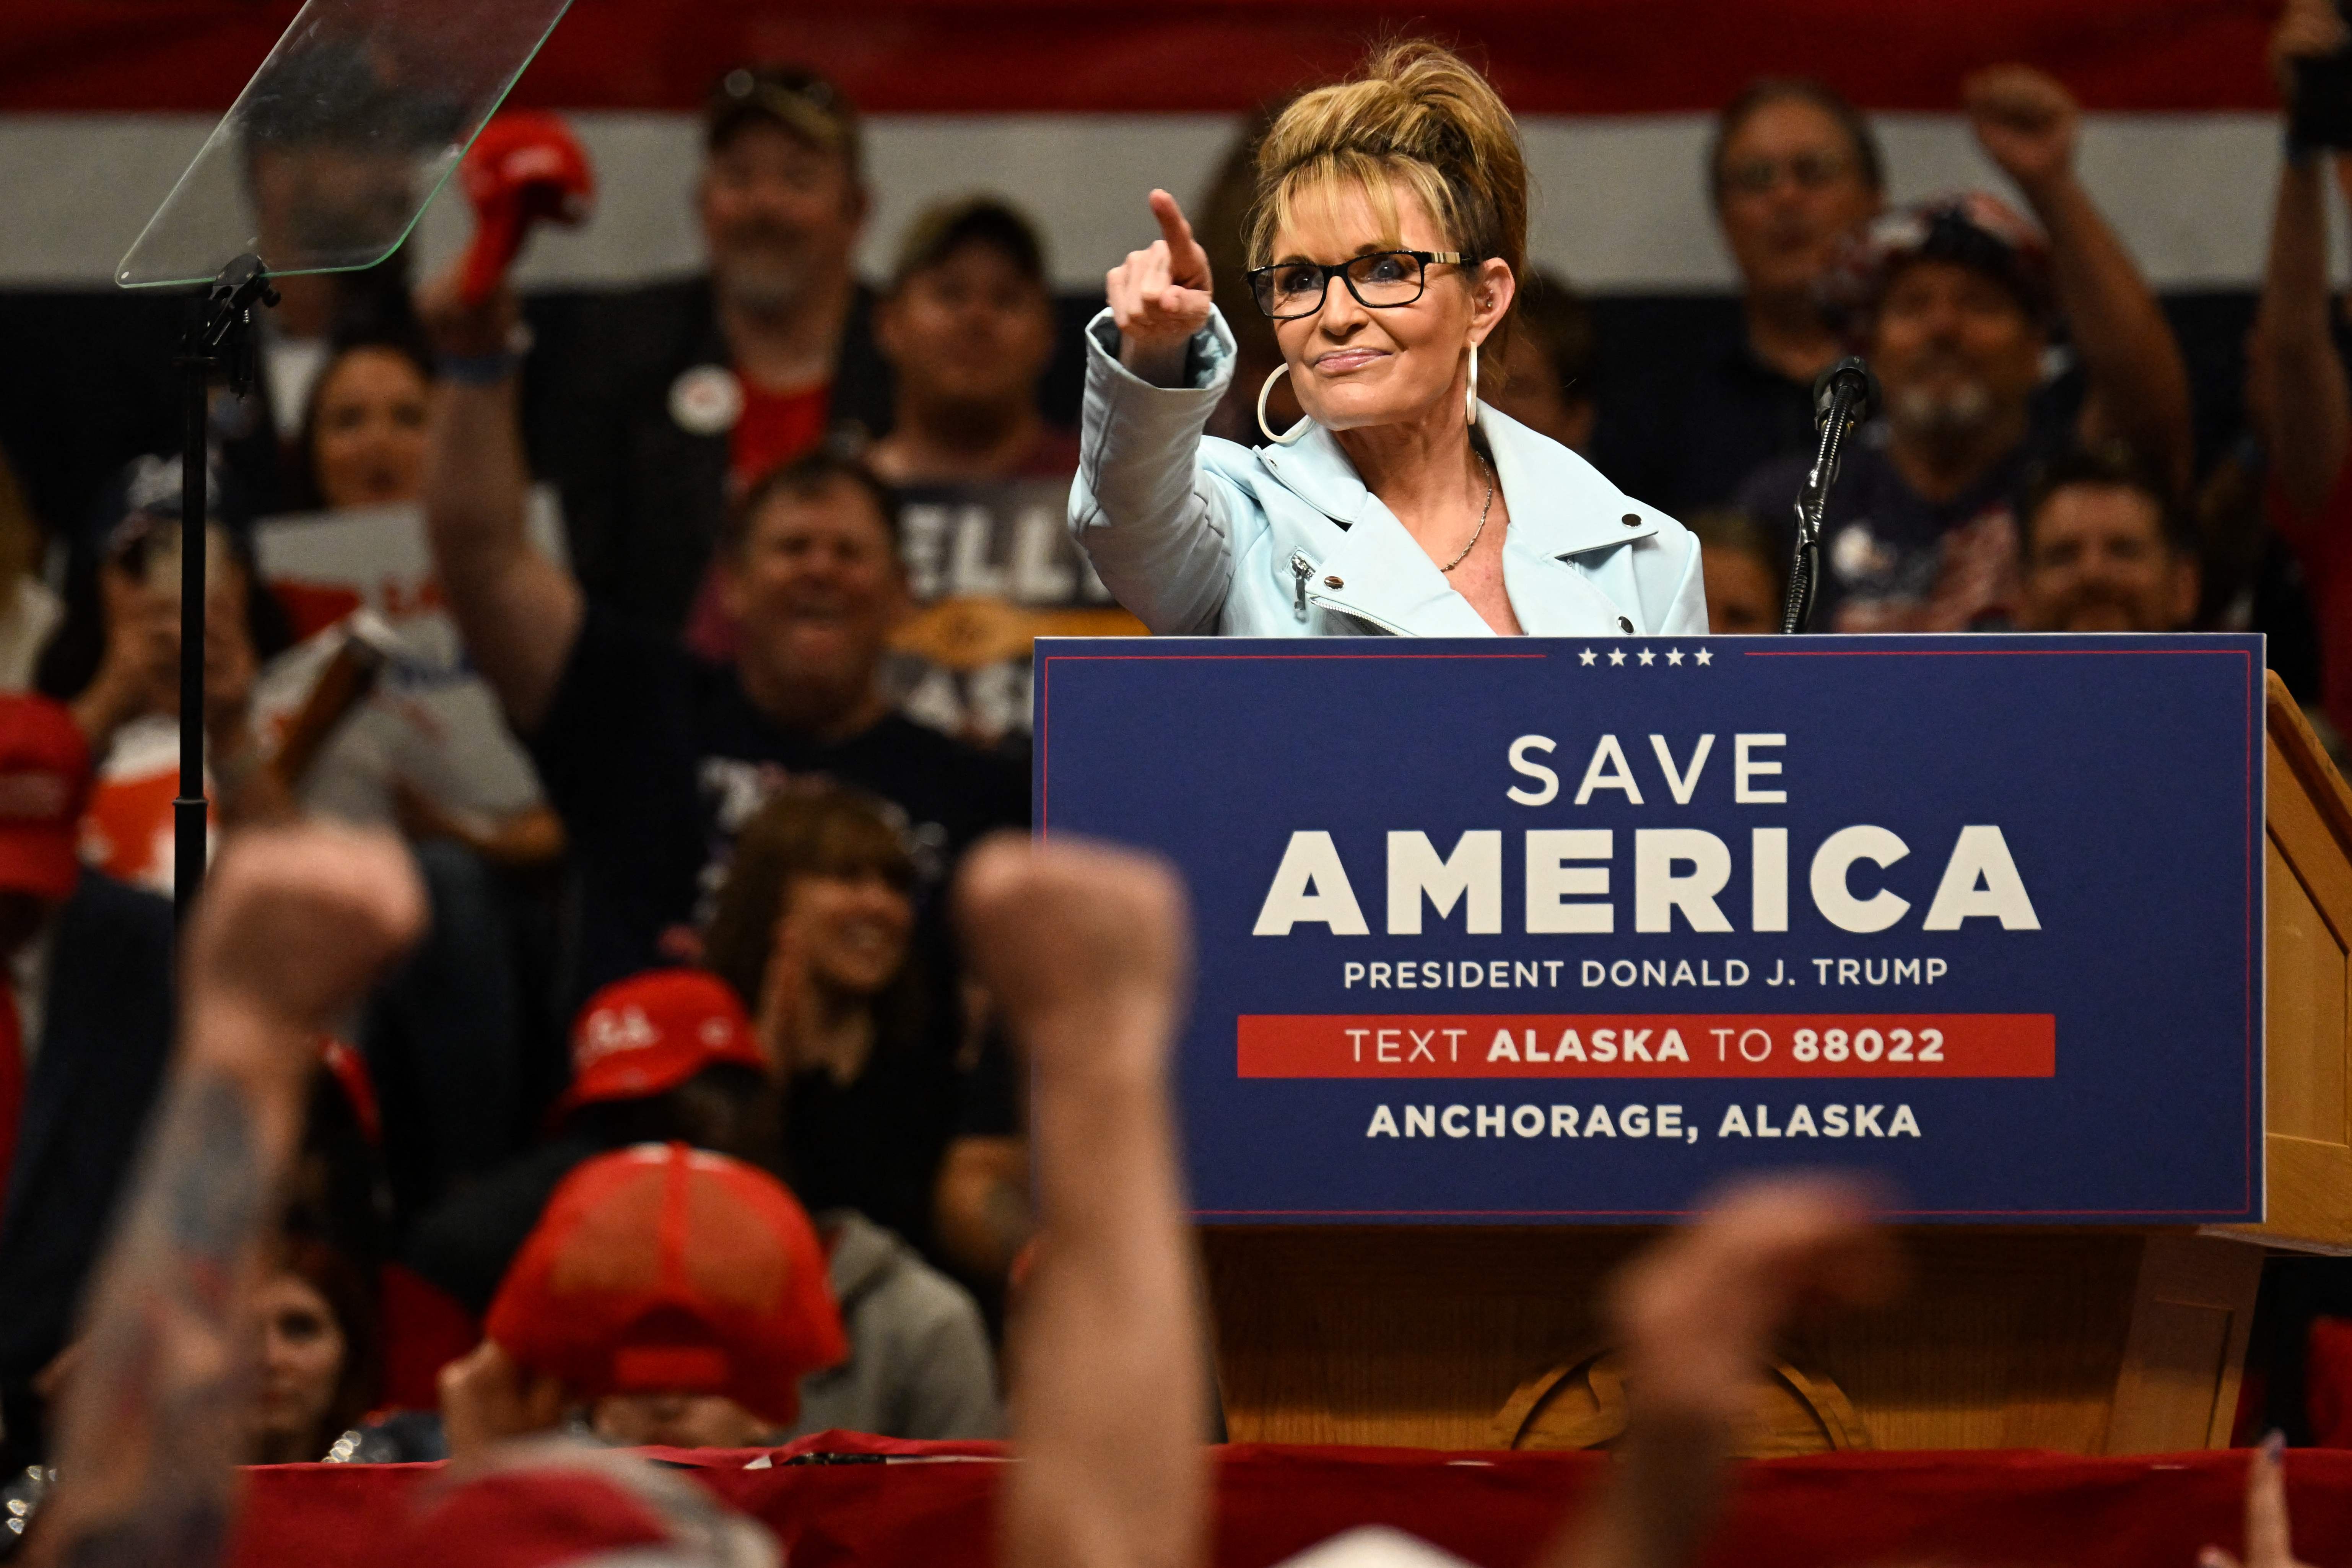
(1560, 507)
(1560, 504)
(1376, 572)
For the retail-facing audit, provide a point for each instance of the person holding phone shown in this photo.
(1388, 235)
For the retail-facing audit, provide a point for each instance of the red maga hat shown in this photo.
(648, 1034)
(44, 784)
(664, 1269)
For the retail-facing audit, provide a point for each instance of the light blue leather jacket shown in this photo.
(1198, 536)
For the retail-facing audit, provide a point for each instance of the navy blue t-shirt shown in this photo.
(1685, 436)
(1892, 559)
(654, 759)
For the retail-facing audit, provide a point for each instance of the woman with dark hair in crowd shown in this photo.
(320, 1361)
(1387, 242)
(362, 440)
(814, 927)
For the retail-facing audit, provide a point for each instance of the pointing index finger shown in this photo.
(1173, 227)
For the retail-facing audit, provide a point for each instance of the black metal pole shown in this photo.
(188, 808)
(219, 342)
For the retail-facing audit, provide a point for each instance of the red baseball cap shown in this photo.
(651, 1032)
(44, 784)
(665, 1270)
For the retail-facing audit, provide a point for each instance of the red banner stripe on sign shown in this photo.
(1553, 1047)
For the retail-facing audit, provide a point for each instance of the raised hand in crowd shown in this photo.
(2269, 1540)
(2307, 29)
(2028, 124)
(293, 927)
(1160, 297)
(1696, 1316)
(2026, 121)
(518, 610)
(2298, 395)
(1087, 950)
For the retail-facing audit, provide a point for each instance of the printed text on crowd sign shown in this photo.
(1553, 930)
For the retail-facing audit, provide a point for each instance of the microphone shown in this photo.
(1847, 384)
(1845, 396)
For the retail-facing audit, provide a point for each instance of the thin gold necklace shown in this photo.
(1482, 510)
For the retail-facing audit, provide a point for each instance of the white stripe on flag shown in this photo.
(1620, 207)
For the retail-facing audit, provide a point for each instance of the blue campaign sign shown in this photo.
(1545, 930)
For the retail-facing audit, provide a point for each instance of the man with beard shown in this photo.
(652, 409)
(2103, 549)
(1953, 301)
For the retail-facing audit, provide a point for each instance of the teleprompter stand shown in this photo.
(218, 345)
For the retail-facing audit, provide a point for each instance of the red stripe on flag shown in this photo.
(1548, 57)
(1554, 1047)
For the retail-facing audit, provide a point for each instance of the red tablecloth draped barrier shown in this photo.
(931, 1505)
(1556, 57)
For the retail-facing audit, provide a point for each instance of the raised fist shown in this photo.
(1082, 946)
(294, 924)
(2026, 120)
(1699, 1311)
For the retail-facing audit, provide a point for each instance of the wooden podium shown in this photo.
(2088, 1341)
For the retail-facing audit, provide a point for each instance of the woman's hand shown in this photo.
(1160, 297)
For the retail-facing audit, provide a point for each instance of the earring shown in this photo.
(1279, 371)
(1473, 398)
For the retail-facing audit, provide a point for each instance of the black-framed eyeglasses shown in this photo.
(1380, 281)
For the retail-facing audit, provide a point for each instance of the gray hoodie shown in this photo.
(919, 1363)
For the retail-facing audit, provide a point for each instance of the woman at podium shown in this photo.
(1389, 232)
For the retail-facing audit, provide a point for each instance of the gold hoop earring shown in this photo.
(1298, 430)
(1472, 397)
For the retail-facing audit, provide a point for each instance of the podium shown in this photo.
(2105, 1340)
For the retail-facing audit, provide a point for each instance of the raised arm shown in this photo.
(2302, 404)
(2028, 124)
(1696, 1316)
(1156, 525)
(292, 927)
(518, 611)
(1087, 949)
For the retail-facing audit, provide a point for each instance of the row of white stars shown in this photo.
(1674, 655)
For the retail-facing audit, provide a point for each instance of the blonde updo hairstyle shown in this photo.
(1417, 114)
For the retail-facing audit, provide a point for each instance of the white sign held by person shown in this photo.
(430, 721)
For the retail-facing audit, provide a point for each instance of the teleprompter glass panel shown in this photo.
(334, 148)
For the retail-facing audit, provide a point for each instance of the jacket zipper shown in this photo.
(1302, 569)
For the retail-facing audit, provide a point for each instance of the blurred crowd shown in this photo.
(681, 632)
